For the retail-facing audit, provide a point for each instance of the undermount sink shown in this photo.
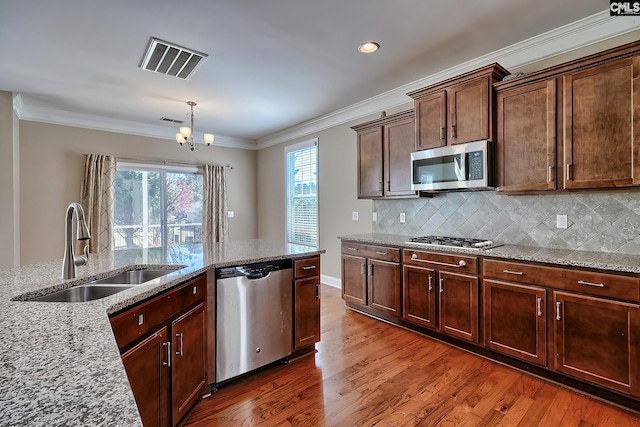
(132, 277)
(82, 293)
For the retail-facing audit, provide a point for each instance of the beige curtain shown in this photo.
(214, 206)
(96, 194)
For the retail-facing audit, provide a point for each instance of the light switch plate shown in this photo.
(374, 217)
(561, 221)
(230, 214)
(403, 218)
(354, 216)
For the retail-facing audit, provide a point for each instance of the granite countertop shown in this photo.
(59, 362)
(623, 263)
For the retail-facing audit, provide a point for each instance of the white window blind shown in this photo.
(302, 193)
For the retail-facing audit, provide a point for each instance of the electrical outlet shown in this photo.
(354, 216)
(403, 218)
(230, 214)
(374, 217)
(561, 221)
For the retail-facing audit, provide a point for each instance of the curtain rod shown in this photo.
(163, 162)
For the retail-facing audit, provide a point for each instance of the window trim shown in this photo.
(288, 149)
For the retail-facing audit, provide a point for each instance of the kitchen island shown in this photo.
(59, 362)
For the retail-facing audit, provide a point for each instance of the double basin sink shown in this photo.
(106, 286)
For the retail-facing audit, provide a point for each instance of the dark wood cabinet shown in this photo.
(164, 345)
(306, 302)
(418, 291)
(458, 305)
(514, 320)
(457, 110)
(526, 140)
(601, 122)
(372, 277)
(188, 371)
(597, 340)
(147, 365)
(384, 156)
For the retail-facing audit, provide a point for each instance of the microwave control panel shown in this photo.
(476, 165)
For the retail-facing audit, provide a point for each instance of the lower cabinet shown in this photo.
(458, 304)
(384, 286)
(597, 340)
(419, 295)
(514, 320)
(306, 302)
(163, 346)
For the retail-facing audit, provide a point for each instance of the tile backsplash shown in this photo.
(603, 221)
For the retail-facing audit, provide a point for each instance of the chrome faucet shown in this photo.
(70, 261)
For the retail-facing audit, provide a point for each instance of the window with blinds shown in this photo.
(302, 193)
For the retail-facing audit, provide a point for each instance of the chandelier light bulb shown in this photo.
(208, 138)
(185, 132)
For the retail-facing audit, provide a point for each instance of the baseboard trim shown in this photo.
(331, 281)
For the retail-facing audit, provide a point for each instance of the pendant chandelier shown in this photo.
(186, 133)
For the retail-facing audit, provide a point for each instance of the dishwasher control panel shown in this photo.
(257, 270)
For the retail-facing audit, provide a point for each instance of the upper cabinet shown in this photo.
(457, 110)
(384, 156)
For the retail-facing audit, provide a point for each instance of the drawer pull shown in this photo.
(311, 267)
(441, 286)
(353, 249)
(597, 285)
(382, 253)
(168, 362)
(517, 273)
(179, 353)
(460, 263)
(539, 307)
(430, 282)
(558, 308)
(140, 319)
(194, 290)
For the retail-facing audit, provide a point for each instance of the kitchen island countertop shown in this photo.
(59, 361)
(615, 262)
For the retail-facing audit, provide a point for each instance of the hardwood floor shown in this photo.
(369, 373)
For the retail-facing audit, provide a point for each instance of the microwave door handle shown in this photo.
(461, 169)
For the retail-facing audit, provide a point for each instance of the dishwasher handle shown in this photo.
(256, 276)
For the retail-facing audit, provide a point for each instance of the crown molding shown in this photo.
(584, 32)
(87, 121)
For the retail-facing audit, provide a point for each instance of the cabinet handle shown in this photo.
(168, 362)
(371, 270)
(597, 285)
(382, 253)
(460, 263)
(517, 273)
(353, 249)
(430, 283)
(388, 185)
(311, 267)
(179, 353)
(441, 133)
(549, 173)
(539, 306)
(453, 131)
(362, 269)
(318, 291)
(441, 286)
(568, 171)
(558, 316)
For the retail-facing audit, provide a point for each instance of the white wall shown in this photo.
(51, 168)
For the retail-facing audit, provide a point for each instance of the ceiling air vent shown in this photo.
(167, 119)
(168, 58)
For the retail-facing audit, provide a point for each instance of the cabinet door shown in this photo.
(398, 145)
(597, 340)
(431, 121)
(384, 287)
(306, 321)
(515, 320)
(354, 279)
(601, 125)
(370, 163)
(188, 374)
(147, 365)
(469, 111)
(419, 296)
(459, 305)
(527, 138)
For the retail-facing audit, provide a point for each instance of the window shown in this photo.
(156, 208)
(302, 193)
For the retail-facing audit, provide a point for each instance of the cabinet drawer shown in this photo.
(306, 267)
(142, 318)
(383, 253)
(440, 261)
(588, 282)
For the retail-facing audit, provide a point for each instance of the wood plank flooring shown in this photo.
(369, 373)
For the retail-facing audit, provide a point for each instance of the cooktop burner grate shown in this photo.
(456, 242)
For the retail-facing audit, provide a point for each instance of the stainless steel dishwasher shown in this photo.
(253, 317)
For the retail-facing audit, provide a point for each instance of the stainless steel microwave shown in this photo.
(456, 167)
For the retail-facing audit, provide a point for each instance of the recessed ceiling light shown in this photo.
(368, 47)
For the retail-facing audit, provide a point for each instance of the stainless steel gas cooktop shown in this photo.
(454, 242)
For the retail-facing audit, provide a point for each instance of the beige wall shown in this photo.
(337, 176)
(8, 176)
(51, 167)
